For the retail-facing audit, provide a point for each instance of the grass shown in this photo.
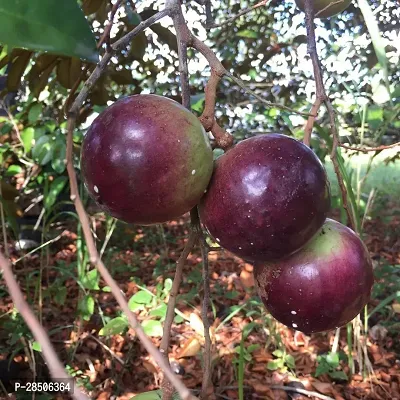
(383, 178)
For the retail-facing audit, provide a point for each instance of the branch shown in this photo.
(321, 97)
(366, 150)
(301, 391)
(57, 370)
(232, 19)
(167, 388)
(101, 66)
(105, 274)
(93, 253)
(204, 315)
(310, 122)
(105, 37)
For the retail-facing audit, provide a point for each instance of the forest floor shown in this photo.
(117, 366)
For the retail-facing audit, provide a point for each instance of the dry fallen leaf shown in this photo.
(247, 279)
(190, 349)
(196, 323)
(396, 308)
(323, 387)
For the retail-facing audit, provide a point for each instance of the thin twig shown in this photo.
(301, 391)
(3, 225)
(310, 121)
(56, 369)
(204, 315)
(105, 37)
(167, 388)
(119, 359)
(101, 66)
(96, 261)
(368, 149)
(93, 253)
(174, 292)
(322, 97)
(238, 15)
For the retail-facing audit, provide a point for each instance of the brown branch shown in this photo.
(166, 386)
(366, 150)
(321, 97)
(310, 121)
(101, 66)
(57, 370)
(238, 15)
(105, 37)
(204, 315)
(223, 139)
(93, 253)
(301, 391)
(105, 274)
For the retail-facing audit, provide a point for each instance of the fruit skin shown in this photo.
(321, 287)
(267, 197)
(329, 10)
(146, 159)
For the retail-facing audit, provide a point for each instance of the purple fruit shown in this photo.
(268, 196)
(321, 287)
(146, 159)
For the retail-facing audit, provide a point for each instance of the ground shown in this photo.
(272, 356)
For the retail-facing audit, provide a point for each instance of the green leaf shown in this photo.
(114, 327)
(275, 364)
(197, 101)
(41, 151)
(61, 295)
(86, 307)
(333, 359)
(55, 188)
(34, 112)
(338, 375)
(13, 170)
(152, 328)
(168, 285)
(36, 346)
(278, 353)
(141, 297)
(135, 306)
(289, 361)
(248, 34)
(153, 395)
(91, 280)
(47, 25)
(160, 311)
(59, 156)
(27, 136)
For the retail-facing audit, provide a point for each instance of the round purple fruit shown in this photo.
(268, 197)
(146, 159)
(321, 287)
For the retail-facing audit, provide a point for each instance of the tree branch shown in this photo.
(368, 149)
(93, 253)
(57, 370)
(105, 37)
(235, 17)
(301, 391)
(166, 386)
(204, 315)
(321, 97)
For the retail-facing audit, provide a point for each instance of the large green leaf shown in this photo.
(47, 25)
